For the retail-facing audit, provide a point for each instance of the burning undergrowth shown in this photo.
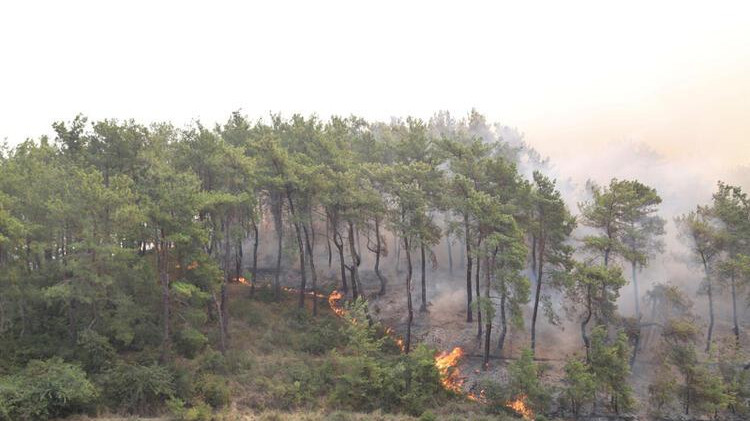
(448, 362)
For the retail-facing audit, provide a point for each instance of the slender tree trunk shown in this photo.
(238, 258)
(72, 322)
(537, 296)
(339, 243)
(476, 282)
(606, 257)
(279, 223)
(254, 273)
(398, 255)
(378, 250)
(488, 323)
(467, 242)
(423, 307)
(734, 311)
(710, 304)
(585, 322)
(328, 242)
(637, 300)
(301, 250)
(356, 290)
(223, 302)
(313, 273)
(161, 263)
(636, 296)
(687, 394)
(533, 257)
(503, 320)
(410, 315)
(450, 254)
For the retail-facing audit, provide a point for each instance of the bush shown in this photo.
(137, 388)
(427, 416)
(94, 351)
(45, 389)
(319, 337)
(199, 411)
(190, 342)
(214, 390)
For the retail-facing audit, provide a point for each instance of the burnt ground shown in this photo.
(443, 326)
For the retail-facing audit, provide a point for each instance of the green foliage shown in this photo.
(94, 351)
(198, 411)
(580, 385)
(611, 369)
(137, 389)
(662, 391)
(189, 342)
(45, 389)
(214, 390)
(524, 379)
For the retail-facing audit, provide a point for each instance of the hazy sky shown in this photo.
(574, 76)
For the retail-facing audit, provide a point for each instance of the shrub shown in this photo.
(137, 389)
(190, 341)
(580, 385)
(94, 351)
(214, 390)
(45, 389)
(199, 411)
(427, 416)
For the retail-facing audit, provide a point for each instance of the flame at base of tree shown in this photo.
(241, 280)
(519, 405)
(334, 301)
(447, 365)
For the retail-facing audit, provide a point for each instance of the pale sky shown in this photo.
(573, 76)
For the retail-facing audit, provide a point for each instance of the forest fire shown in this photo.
(519, 405)
(399, 341)
(447, 364)
(241, 280)
(334, 302)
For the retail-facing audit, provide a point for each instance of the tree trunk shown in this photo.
(279, 225)
(254, 273)
(356, 290)
(300, 249)
(398, 255)
(533, 257)
(450, 254)
(710, 304)
(469, 261)
(423, 307)
(488, 323)
(161, 263)
(410, 315)
(539, 274)
(313, 274)
(223, 304)
(328, 242)
(734, 311)
(476, 281)
(339, 243)
(636, 296)
(238, 257)
(637, 314)
(378, 249)
(585, 322)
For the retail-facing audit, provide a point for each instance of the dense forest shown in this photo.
(295, 265)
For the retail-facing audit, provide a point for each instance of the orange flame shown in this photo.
(241, 280)
(447, 365)
(334, 300)
(519, 405)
